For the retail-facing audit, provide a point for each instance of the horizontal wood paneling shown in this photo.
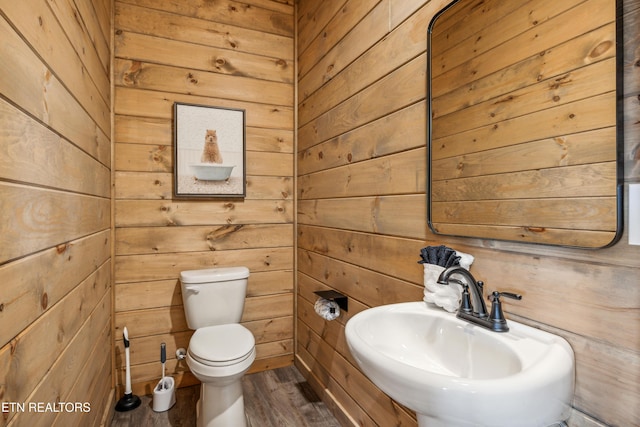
(321, 15)
(535, 80)
(527, 29)
(595, 114)
(399, 173)
(361, 106)
(93, 339)
(187, 27)
(29, 83)
(153, 104)
(145, 186)
(56, 162)
(350, 22)
(407, 85)
(64, 266)
(355, 247)
(165, 293)
(34, 218)
(372, 140)
(148, 76)
(593, 180)
(325, 342)
(357, 232)
(149, 49)
(274, 348)
(224, 54)
(131, 268)
(55, 209)
(91, 386)
(162, 213)
(391, 215)
(214, 238)
(50, 335)
(77, 67)
(572, 86)
(276, 19)
(369, 67)
(591, 211)
(159, 158)
(566, 151)
(364, 285)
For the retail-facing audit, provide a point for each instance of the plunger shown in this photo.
(129, 401)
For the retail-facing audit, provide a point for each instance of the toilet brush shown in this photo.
(163, 359)
(164, 395)
(129, 401)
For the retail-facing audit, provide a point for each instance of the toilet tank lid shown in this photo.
(214, 274)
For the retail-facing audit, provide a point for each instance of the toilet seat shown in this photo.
(222, 345)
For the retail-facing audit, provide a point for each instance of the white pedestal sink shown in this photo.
(453, 373)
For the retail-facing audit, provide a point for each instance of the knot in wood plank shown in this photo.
(601, 49)
(192, 79)
(222, 232)
(132, 75)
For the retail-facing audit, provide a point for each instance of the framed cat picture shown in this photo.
(209, 151)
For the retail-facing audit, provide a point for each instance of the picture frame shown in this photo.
(209, 151)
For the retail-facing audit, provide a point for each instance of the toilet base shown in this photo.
(221, 406)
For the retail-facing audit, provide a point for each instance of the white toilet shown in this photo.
(221, 350)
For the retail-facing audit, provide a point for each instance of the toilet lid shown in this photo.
(221, 344)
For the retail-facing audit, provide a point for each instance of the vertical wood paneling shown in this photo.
(355, 232)
(55, 201)
(225, 54)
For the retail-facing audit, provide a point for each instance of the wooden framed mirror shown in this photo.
(524, 121)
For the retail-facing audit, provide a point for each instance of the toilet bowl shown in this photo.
(221, 350)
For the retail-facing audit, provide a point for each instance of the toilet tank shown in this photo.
(213, 296)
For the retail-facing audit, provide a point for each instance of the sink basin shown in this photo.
(453, 373)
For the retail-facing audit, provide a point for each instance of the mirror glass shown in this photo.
(524, 123)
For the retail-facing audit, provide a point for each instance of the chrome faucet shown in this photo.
(472, 307)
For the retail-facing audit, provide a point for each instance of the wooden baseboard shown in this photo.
(579, 419)
(325, 394)
(107, 414)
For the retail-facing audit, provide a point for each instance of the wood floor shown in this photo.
(277, 398)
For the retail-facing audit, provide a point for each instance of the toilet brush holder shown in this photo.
(164, 395)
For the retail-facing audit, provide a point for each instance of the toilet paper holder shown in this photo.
(336, 296)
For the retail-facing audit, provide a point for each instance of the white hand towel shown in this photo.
(445, 296)
(465, 260)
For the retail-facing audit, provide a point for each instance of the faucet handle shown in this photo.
(496, 295)
(465, 302)
(499, 323)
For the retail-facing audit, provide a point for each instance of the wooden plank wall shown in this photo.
(362, 216)
(55, 209)
(498, 103)
(226, 54)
